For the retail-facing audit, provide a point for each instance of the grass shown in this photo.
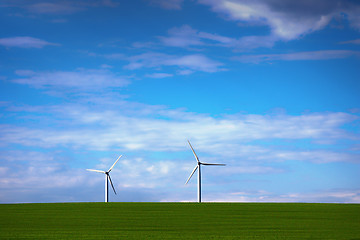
(179, 221)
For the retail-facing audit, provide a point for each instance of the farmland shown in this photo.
(179, 221)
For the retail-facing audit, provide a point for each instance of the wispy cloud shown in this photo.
(83, 79)
(52, 8)
(314, 156)
(57, 7)
(25, 42)
(193, 62)
(287, 20)
(185, 36)
(158, 75)
(325, 196)
(299, 56)
(168, 4)
(356, 41)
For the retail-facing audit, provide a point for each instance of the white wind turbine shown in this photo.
(107, 179)
(198, 166)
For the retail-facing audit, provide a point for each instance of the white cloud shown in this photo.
(251, 42)
(160, 129)
(53, 8)
(287, 20)
(141, 132)
(139, 173)
(31, 169)
(31, 180)
(159, 75)
(168, 4)
(330, 196)
(83, 79)
(355, 41)
(151, 60)
(250, 169)
(25, 42)
(21, 156)
(299, 56)
(185, 36)
(193, 62)
(315, 156)
(196, 62)
(40, 7)
(185, 72)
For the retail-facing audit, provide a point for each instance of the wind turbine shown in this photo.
(107, 179)
(198, 166)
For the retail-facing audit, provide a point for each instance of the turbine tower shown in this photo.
(198, 167)
(107, 179)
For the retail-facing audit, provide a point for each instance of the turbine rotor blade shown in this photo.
(93, 170)
(111, 183)
(197, 159)
(192, 173)
(214, 164)
(114, 164)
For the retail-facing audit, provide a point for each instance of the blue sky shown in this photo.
(271, 88)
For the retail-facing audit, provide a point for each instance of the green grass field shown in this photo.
(179, 221)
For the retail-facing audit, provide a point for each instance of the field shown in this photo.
(179, 221)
